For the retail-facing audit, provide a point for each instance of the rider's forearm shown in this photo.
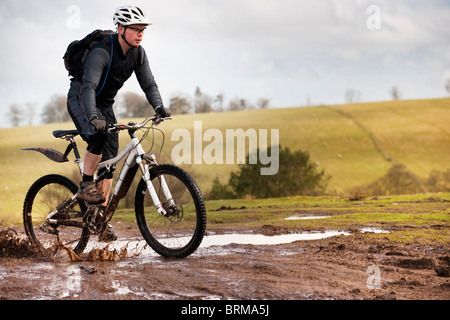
(147, 82)
(93, 70)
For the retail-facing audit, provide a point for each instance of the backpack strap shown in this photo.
(109, 67)
(138, 56)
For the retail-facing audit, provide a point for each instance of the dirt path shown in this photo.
(341, 267)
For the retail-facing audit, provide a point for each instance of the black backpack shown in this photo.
(78, 50)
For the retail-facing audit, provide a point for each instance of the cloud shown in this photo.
(282, 50)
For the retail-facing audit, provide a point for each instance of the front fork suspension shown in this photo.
(146, 174)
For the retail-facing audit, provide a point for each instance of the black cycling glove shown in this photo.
(163, 112)
(99, 124)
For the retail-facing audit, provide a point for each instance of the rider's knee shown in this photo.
(97, 143)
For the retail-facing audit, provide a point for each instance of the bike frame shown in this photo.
(134, 160)
(135, 153)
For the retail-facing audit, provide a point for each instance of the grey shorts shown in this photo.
(106, 144)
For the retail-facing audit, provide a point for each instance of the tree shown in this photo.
(395, 93)
(134, 105)
(15, 114)
(447, 86)
(438, 181)
(263, 103)
(180, 105)
(238, 104)
(297, 175)
(352, 96)
(56, 110)
(398, 180)
(219, 101)
(30, 108)
(202, 102)
(220, 191)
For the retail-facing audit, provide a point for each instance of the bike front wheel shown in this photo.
(44, 196)
(179, 232)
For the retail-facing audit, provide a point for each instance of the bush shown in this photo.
(220, 191)
(398, 180)
(438, 181)
(297, 175)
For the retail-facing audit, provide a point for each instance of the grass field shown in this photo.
(406, 219)
(355, 144)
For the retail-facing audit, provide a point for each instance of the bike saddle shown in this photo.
(64, 133)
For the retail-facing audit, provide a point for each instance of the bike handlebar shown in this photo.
(136, 126)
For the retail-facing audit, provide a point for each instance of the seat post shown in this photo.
(78, 159)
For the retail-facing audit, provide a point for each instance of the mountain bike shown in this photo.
(169, 206)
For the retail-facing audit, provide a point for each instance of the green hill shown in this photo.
(355, 144)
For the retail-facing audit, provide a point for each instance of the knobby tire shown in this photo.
(44, 195)
(181, 234)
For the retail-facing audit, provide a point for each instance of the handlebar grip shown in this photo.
(157, 119)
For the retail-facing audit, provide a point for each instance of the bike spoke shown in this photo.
(181, 229)
(49, 194)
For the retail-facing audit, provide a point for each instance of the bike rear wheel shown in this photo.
(180, 232)
(44, 196)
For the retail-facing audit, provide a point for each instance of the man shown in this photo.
(90, 99)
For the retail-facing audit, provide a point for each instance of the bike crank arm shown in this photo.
(68, 204)
(66, 222)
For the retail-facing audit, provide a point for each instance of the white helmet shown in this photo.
(129, 15)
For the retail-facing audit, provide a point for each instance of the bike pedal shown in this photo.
(46, 227)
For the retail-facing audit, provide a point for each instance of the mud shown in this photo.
(341, 267)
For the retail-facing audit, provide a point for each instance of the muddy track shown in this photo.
(344, 267)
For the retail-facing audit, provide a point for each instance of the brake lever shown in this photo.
(157, 120)
(115, 128)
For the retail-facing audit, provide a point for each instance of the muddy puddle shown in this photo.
(133, 247)
(305, 217)
(260, 239)
(137, 247)
(219, 243)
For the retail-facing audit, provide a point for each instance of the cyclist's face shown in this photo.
(134, 34)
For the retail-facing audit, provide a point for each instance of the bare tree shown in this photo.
(447, 86)
(352, 96)
(180, 105)
(243, 104)
(56, 110)
(202, 102)
(263, 103)
(134, 105)
(15, 114)
(219, 101)
(30, 108)
(395, 93)
(234, 105)
(239, 104)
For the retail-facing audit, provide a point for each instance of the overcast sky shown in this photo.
(288, 51)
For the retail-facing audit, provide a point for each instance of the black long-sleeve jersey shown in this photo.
(122, 67)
